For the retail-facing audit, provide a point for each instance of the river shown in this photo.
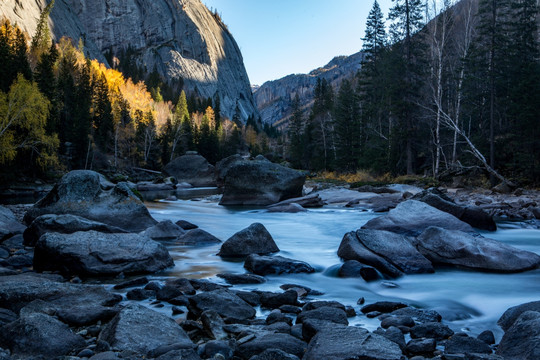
(468, 301)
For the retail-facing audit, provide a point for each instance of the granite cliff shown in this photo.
(179, 38)
(274, 98)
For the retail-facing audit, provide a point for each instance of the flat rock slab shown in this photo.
(390, 253)
(461, 249)
(413, 217)
(81, 193)
(65, 224)
(19, 290)
(276, 265)
(39, 334)
(93, 254)
(348, 342)
(254, 239)
(142, 330)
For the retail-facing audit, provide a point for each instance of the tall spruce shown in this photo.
(102, 114)
(296, 129)
(374, 40)
(42, 37)
(347, 127)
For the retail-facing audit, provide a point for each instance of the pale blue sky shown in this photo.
(282, 37)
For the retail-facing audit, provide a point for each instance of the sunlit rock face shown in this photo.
(181, 39)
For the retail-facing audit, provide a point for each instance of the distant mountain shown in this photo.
(274, 98)
(179, 38)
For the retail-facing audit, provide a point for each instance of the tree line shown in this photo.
(59, 111)
(444, 88)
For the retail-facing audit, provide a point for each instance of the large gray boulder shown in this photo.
(473, 216)
(412, 217)
(9, 225)
(143, 330)
(94, 254)
(461, 249)
(80, 193)
(223, 166)
(260, 183)
(390, 253)
(340, 342)
(254, 239)
(512, 314)
(193, 169)
(65, 224)
(38, 334)
(17, 291)
(522, 339)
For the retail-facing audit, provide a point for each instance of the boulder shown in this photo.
(270, 265)
(287, 208)
(186, 225)
(80, 193)
(260, 183)
(254, 239)
(355, 269)
(150, 186)
(420, 316)
(19, 290)
(413, 217)
(235, 279)
(193, 169)
(309, 201)
(432, 330)
(64, 224)
(512, 314)
(522, 339)
(324, 313)
(197, 237)
(95, 254)
(390, 253)
(130, 330)
(461, 249)
(164, 230)
(223, 166)
(272, 300)
(474, 216)
(261, 342)
(383, 307)
(224, 302)
(349, 342)
(275, 354)
(38, 334)
(421, 346)
(9, 225)
(465, 344)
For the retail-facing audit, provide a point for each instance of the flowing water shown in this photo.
(468, 301)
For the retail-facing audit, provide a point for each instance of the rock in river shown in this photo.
(94, 254)
(390, 253)
(9, 225)
(522, 339)
(143, 330)
(412, 217)
(260, 183)
(254, 239)
(193, 169)
(268, 265)
(65, 224)
(475, 252)
(80, 193)
(224, 302)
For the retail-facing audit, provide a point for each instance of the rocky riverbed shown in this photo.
(72, 283)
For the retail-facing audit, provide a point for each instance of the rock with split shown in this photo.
(254, 239)
(193, 169)
(276, 265)
(80, 193)
(143, 330)
(64, 224)
(390, 253)
(260, 183)
(309, 201)
(462, 249)
(96, 254)
(413, 217)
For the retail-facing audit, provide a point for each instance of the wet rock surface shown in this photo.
(193, 169)
(254, 239)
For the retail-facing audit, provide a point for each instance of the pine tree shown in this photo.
(296, 128)
(42, 37)
(347, 127)
(375, 39)
(180, 116)
(81, 116)
(48, 84)
(102, 113)
(319, 132)
(20, 55)
(7, 75)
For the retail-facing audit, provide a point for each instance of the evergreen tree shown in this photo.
(180, 116)
(7, 73)
(296, 128)
(319, 133)
(20, 55)
(347, 127)
(42, 37)
(47, 83)
(375, 39)
(81, 116)
(102, 114)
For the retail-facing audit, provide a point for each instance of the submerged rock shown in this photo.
(193, 169)
(413, 217)
(95, 254)
(254, 239)
(260, 183)
(80, 193)
(474, 252)
(390, 253)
